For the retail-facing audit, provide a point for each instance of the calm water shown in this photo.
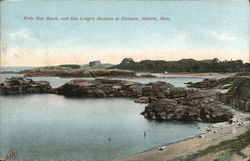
(56, 81)
(14, 69)
(46, 126)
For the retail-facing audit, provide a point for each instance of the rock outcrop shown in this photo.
(166, 102)
(17, 85)
(206, 83)
(116, 88)
(76, 73)
(196, 106)
(233, 91)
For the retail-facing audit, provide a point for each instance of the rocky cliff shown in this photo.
(234, 91)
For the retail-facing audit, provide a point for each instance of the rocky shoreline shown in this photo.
(76, 73)
(212, 145)
(165, 102)
(79, 73)
(222, 141)
(19, 85)
(67, 72)
(234, 91)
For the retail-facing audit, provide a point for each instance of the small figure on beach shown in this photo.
(109, 138)
(162, 148)
(11, 155)
(145, 135)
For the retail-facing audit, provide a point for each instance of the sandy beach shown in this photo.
(178, 151)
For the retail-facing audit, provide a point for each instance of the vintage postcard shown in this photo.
(125, 80)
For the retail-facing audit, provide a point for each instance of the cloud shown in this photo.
(24, 33)
(22, 39)
(223, 36)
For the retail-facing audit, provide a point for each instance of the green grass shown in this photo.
(241, 88)
(100, 66)
(233, 146)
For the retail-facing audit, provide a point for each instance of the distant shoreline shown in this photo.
(194, 75)
(146, 75)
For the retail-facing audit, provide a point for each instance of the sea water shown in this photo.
(47, 126)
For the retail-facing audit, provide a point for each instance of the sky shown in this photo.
(196, 29)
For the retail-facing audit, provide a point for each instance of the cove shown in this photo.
(46, 127)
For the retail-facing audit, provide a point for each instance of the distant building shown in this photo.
(94, 63)
(127, 60)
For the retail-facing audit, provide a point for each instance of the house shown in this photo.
(94, 63)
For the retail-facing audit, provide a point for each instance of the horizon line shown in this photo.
(121, 61)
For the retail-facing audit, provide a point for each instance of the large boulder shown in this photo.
(169, 109)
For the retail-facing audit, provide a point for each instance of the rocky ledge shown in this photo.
(17, 85)
(233, 91)
(169, 109)
(77, 73)
(166, 102)
(119, 88)
(206, 83)
(55, 71)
